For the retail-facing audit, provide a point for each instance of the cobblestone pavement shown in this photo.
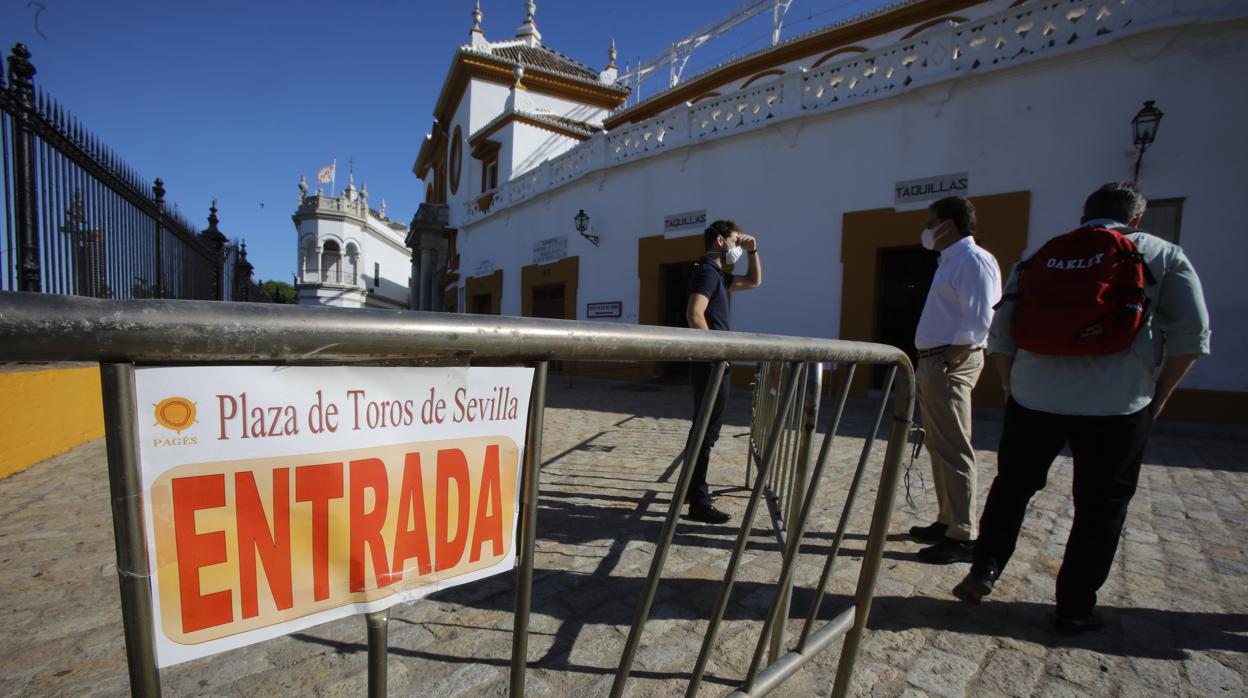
(1176, 602)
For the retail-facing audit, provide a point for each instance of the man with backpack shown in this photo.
(1096, 331)
(950, 339)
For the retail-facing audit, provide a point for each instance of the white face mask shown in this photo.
(929, 235)
(732, 254)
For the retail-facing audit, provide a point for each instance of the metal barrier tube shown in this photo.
(804, 487)
(785, 471)
(524, 576)
(378, 649)
(786, 666)
(850, 497)
(692, 446)
(126, 489)
(47, 327)
(903, 416)
(788, 392)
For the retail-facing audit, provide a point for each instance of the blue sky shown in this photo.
(236, 99)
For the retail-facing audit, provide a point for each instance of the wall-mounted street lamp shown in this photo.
(582, 224)
(1144, 128)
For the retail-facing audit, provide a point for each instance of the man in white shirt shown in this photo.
(951, 336)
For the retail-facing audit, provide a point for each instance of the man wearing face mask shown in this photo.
(950, 339)
(708, 308)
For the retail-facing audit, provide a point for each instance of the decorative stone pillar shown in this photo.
(425, 240)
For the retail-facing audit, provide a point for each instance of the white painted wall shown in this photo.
(1056, 127)
(531, 146)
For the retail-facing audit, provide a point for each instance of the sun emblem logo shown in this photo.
(175, 413)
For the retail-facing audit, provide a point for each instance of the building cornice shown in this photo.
(542, 121)
(469, 64)
(797, 48)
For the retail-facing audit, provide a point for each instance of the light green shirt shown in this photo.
(1121, 383)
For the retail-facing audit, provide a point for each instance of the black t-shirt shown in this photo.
(712, 282)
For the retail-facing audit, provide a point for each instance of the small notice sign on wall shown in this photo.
(485, 267)
(550, 250)
(606, 309)
(689, 220)
(937, 187)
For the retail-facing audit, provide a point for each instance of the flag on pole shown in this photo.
(326, 174)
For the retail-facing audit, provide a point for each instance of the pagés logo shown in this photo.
(175, 413)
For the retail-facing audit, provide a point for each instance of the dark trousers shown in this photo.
(701, 374)
(1107, 453)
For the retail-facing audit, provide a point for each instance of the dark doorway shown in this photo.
(482, 304)
(675, 295)
(905, 275)
(548, 301)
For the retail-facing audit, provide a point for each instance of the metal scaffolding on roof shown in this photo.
(677, 57)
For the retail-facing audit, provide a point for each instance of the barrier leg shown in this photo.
(788, 391)
(528, 537)
(126, 489)
(897, 442)
(692, 446)
(797, 494)
(848, 508)
(378, 649)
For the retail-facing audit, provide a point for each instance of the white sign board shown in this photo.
(689, 220)
(484, 267)
(930, 188)
(280, 498)
(550, 250)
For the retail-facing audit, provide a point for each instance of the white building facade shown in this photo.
(350, 255)
(830, 146)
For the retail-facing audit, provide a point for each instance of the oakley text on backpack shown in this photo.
(1081, 294)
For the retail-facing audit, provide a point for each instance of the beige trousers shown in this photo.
(945, 403)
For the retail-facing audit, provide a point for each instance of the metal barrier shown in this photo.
(121, 334)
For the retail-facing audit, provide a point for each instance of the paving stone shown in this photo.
(1008, 672)
(941, 673)
(1210, 677)
(1175, 598)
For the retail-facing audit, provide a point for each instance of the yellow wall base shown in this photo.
(46, 413)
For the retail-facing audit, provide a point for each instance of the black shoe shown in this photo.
(707, 513)
(691, 498)
(947, 551)
(1067, 625)
(933, 533)
(975, 586)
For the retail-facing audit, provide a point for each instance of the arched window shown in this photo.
(309, 262)
(353, 264)
(331, 263)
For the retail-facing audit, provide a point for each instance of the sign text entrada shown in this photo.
(277, 498)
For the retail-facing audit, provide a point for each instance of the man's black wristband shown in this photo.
(752, 252)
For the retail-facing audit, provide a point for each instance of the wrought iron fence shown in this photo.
(78, 220)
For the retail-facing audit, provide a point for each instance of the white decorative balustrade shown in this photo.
(575, 163)
(641, 139)
(730, 113)
(1018, 34)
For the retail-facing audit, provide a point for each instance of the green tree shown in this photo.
(279, 291)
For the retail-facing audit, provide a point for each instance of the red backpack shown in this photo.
(1081, 294)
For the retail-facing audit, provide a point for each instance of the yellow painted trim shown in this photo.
(1002, 221)
(491, 284)
(46, 413)
(1196, 405)
(566, 271)
(652, 254)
